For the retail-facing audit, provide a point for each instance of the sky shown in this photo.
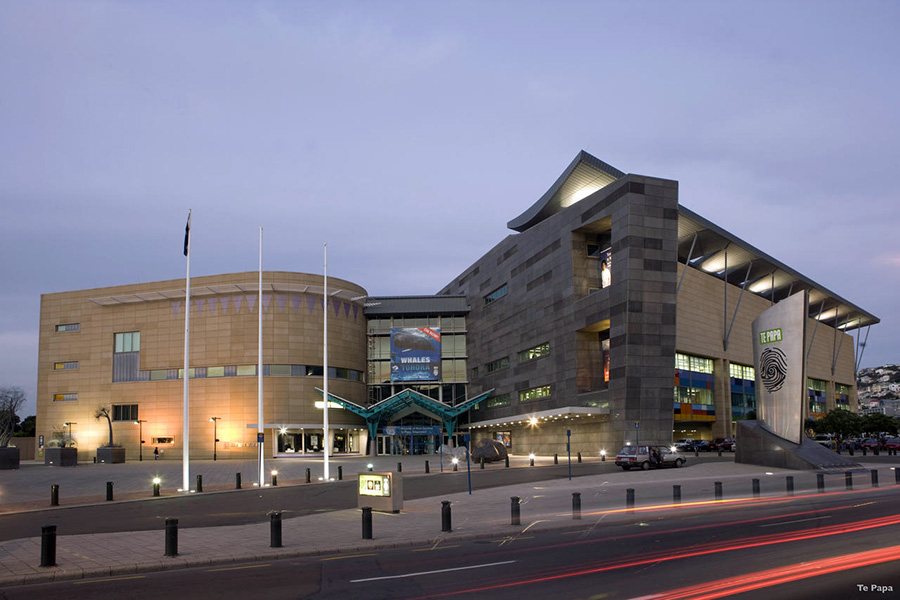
(397, 130)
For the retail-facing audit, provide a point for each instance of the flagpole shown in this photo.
(261, 435)
(185, 422)
(325, 435)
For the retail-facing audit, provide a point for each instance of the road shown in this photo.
(819, 547)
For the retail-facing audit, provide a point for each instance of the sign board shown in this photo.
(415, 354)
(779, 356)
(411, 430)
(380, 491)
(260, 438)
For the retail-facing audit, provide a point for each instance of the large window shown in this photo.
(842, 395)
(538, 351)
(816, 392)
(694, 384)
(128, 342)
(743, 390)
(125, 412)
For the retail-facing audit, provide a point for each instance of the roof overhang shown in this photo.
(201, 291)
(709, 248)
(544, 416)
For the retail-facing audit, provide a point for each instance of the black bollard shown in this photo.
(697, 452)
(482, 462)
(848, 480)
(875, 451)
(514, 511)
(576, 506)
(720, 452)
(367, 522)
(399, 467)
(199, 483)
(171, 537)
(274, 478)
(340, 473)
(427, 468)
(155, 487)
(109, 491)
(237, 481)
(718, 485)
(555, 459)
(579, 457)
(507, 461)
(820, 482)
(874, 477)
(897, 476)
(309, 476)
(864, 450)
(48, 546)
(676, 494)
(445, 516)
(275, 530)
(629, 498)
(756, 488)
(851, 449)
(54, 495)
(455, 465)
(531, 458)
(789, 483)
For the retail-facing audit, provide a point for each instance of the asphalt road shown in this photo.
(828, 546)
(252, 505)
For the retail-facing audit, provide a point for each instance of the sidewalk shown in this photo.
(484, 514)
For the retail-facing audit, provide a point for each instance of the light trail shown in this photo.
(753, 581)
(700, 550)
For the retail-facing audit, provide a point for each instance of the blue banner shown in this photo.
(416, 354)
(411, 430)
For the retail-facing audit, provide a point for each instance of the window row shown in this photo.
(69, 327)
(446, 324)
(451, 371)
(496, 295)
(65, 366)
(451, 346)
(247, 371)
(534, 393)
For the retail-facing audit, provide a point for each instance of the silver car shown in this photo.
(648, 457)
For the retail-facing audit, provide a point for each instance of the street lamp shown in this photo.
(215, 421)
(140, 424)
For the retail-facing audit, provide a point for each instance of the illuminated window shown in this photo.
(65, 366)
(534, 353)
(741, 372)
(493, 401)
(534, 393)
(497, 365)
(65, 397)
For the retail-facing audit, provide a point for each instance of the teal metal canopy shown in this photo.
(381, 411)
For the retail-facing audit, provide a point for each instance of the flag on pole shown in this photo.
(187, 234)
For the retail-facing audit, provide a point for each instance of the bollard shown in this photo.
(676, 494)
(367, 522)
(864, 450)
(455, 466)
(109, 491)
(848, 480)
(445, 516)
(789, 483)
(897, 476)
(48, 546)
(697, 452)
(720, 452)
(820, 482)
(171, 537)
(851, 449)
(309, 476)
(199, 483)
(274, 478)
(506, 461)
(340, 473)
(156, 487)
(874, 477)
(275, 530)
(576, 506)
(482, 462)
(756, 488)
(399, 467)
(629, 498)
(718, 485)
(54, 495)
(875, 451)
(579, 457)
(427, 468)
(556, 459)
(514, 511)
(237, 481)
(532, 460)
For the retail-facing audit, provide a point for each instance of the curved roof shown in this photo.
(584, 176)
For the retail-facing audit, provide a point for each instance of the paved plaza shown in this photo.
(484, 513)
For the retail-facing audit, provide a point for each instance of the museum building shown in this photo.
(612, 314)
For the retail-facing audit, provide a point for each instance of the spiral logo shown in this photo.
(772, 369)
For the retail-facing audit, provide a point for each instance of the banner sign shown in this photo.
(779, 355)
(411, 430)
(374, 485)
(416, 354)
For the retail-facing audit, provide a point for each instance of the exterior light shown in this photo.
(283, 430)
(455, 460)
(157, 480)
(533, 421)
(531, 458)
(673, 449)
(369, 466)
(274, 471)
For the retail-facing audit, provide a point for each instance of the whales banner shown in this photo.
(416, 354)
(779, 355)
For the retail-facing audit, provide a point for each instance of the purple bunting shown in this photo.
(251, 302)
(176, 306)
(281, 298)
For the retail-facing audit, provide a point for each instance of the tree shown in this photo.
(104, 412)
(877, 423)
(28, 428)
(11, 400)
(842, 423)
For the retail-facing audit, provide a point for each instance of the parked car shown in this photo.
(892, 444)
(684, 445)
(703, 446)
(825, 439)
(871, 444)
(647, 457)
(725, 444)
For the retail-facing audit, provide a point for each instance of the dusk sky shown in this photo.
(407, 134)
